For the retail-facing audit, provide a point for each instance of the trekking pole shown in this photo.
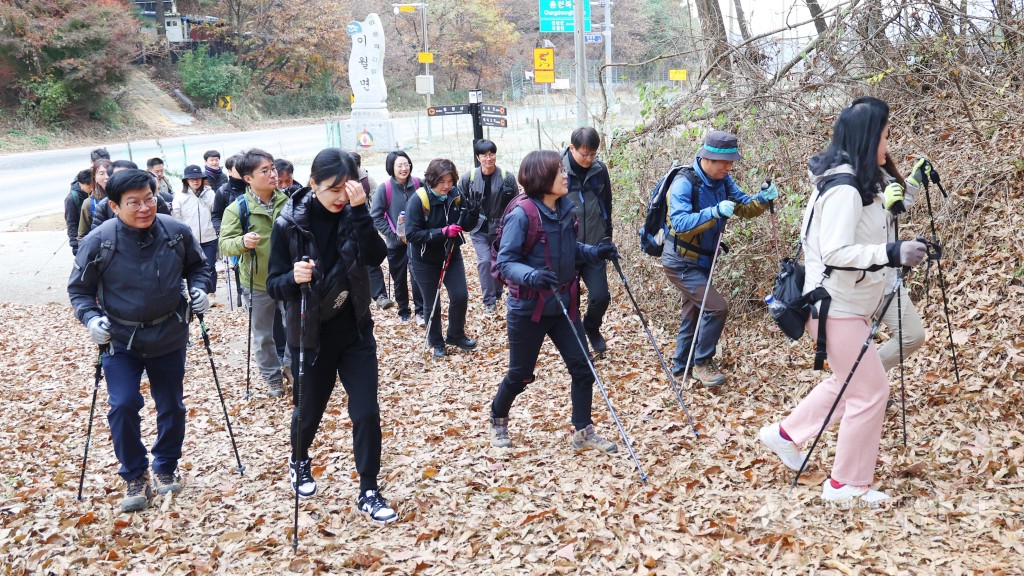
(51, 257)
(227, 419)
(700, 313)
(248, 345)
(654, 344)
(92, 410)
(771, 211)
(600, 385)
(437, 296)
(227, 280)
(842, 390)
(899, 323)
(938, 264)
(304, 288)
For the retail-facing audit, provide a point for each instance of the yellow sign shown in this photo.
(224, 102)
(677, 75)
(351, 98)
(406, 8)
(426, 57)
(543, 76)
(544, 59)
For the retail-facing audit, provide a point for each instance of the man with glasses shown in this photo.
(492, 188)
(126, 288)
(590, 189)
(245, 232)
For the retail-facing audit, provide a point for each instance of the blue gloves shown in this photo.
(542, 279)
(769, 193)
(724, 209)
(607, 251)
(99, 330)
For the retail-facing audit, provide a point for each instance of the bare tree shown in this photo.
(716, 43)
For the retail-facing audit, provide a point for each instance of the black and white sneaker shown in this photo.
(301, 477)
(376, 507)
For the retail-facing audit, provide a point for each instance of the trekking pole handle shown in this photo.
(764, 186)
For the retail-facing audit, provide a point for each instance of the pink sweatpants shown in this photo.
(861, 409)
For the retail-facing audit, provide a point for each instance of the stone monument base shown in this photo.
(368, 134)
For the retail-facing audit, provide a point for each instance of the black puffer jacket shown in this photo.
(423, 228)
(358, 246)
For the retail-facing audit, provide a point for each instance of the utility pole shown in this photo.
(581, 65)
(426, 65)
(608, 51)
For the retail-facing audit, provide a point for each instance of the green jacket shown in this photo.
(261, 223)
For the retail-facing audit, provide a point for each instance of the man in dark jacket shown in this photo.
(104, 212)
(126, 288)
(81, 188)
(225, 195)
(590, 189)
(214, 174)
(491, 188)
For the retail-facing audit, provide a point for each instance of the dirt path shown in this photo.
(150, 105)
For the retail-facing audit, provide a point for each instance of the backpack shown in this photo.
(652, 233)
(108, 245)
(534, 233)
(425, 200)
(789, 285)
(388, 189)
(243, 212)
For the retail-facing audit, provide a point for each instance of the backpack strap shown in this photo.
(243, 212)
(819, 294)
(691, 176)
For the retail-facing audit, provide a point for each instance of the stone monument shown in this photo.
(370, 127)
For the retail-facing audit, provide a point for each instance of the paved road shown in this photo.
(36, 183)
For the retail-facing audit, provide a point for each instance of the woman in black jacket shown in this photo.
(329, 222)
(433, 228)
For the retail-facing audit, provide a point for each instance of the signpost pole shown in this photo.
(608, 51)
(426, 65)
(581, 65)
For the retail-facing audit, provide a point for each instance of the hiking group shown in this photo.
(307, 267)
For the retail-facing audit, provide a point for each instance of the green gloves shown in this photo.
(894, 198)
(919, 173)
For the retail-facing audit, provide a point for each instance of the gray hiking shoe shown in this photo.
(498, 428)
(167, 482)
(708, 374)
(385, 303)
(137, 494)
(587, 439)
(275, 388)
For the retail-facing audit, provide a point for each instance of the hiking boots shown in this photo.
(499, 433)
(587, 439)
(376, 507)
(462, 342)
(708, 374)
(385, 303)
(489, 308)
(440, 351)
(275, 388)
(786, 450)
(403, 318)
(301, 477)
(850, 495)
(596, 340)
(167, 482)
(137, 494)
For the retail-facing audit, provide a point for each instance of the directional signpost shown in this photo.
(557, 16)
(496, 121)
(491, 115)
(448, 110)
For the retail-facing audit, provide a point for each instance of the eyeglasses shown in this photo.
(590, 156)
(135, 205)
(488, 156)
(268, 171)
(400, 165)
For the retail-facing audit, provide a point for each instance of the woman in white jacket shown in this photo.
(846, 249)
(193, 206)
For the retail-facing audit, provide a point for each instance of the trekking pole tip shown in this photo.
(240, 469)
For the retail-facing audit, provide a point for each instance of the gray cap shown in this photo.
(720, 145)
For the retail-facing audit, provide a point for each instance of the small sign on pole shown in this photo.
(426, 57)
(544, 77)
(677, 75)
(593, 38)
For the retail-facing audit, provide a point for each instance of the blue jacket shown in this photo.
(561, 244)
(695, 225)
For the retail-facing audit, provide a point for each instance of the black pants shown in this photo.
(524, 341)
(398, 265)
(378, 287)
(352, 358)
(427, 276)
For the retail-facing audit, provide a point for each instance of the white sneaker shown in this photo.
(786, 450)
(373, 504)
(848, 494)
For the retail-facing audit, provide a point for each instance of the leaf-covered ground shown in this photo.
(719, 504)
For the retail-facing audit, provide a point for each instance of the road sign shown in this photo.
(448, 110)
(543, 58)
(557, 16)
(224, 102)
(544, 77)
(406, 7)
(426, 57)
(492, 109)
(677, 75)
(496, 121)
(593, 38)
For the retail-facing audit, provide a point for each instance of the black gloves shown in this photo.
(542, 279)
(607, 251)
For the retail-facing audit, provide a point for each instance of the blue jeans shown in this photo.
(427, 277)
(595, 277)
(525, 338)
(123, 371)
(691, 282)
(490, 287)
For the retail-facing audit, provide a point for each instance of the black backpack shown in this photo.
(653, 232)
(789, 285)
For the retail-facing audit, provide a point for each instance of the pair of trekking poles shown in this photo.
(105, 349)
